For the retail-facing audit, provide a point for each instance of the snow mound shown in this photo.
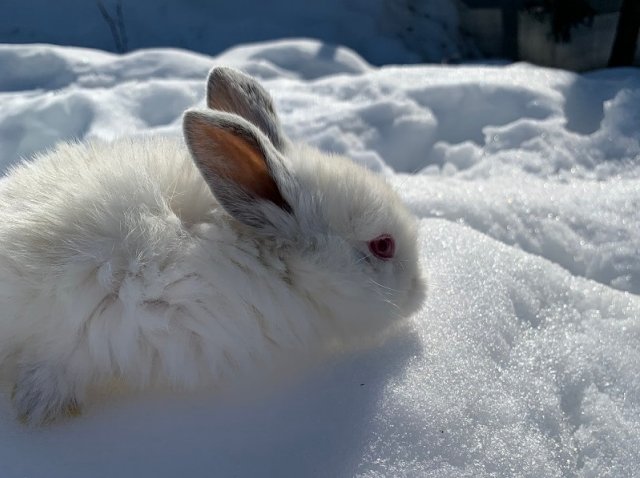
(383, 31)
(524, 358)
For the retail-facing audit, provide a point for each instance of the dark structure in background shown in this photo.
(625, 43)
(479, 16)
(571, 34)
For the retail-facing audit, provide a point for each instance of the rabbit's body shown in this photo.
(138, 274)
(117, 260)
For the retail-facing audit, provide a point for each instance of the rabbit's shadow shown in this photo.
(319, 425)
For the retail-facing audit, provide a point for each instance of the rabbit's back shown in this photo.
(82, 201)
(119, 251)
(93, 184)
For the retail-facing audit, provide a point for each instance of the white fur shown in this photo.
(116, 260)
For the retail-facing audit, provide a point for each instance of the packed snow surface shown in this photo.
(524, 359)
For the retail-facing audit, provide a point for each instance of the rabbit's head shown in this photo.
(346, 239)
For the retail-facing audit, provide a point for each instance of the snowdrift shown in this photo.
(524, 359)
(383, 31)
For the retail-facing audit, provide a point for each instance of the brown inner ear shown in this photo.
(246, 167)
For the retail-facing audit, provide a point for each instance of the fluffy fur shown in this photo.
(153, 262)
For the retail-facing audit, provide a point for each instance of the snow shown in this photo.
(524, 359)
(383, 31)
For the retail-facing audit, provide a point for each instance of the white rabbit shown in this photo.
(116, 260)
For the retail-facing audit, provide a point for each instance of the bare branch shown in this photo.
(118, 31)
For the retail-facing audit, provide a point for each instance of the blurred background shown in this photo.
(571, 34)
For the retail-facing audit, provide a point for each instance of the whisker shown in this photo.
(384, 286)
(363, 258)
(409, 176)
(449, 274)
(384, 297)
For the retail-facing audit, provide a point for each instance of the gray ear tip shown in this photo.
(189, 116)
(223, 70)
(192, 118)
(222, 74)
(219, 71)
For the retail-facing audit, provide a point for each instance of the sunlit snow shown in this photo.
(524, 360)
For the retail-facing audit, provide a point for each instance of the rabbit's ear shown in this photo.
(234, 92)
(239, 165)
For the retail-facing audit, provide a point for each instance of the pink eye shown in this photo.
(383, 247)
